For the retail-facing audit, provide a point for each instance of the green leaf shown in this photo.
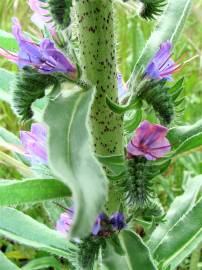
(8, 41)
(21, 228)
(31, 191)
(131, 125)
(180, 206)
(6, 264)
(182, 239)
(136, 253)
(6, 77)
(42, 263)
(178, 135)
(113, 261)
(71, 158)
(189, 144)
(169, 27)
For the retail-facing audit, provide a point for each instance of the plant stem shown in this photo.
(98, 60)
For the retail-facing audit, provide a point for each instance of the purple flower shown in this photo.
(149, 141)
(117, 221)
(41, 15)
(44, 57)
(100, 223)
(65, 221)
(34, 143)
(122, 87)
(161, 65)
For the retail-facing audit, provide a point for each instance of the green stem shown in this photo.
(97, 54)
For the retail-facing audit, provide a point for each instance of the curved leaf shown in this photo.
(30, 191)
(6, 264)
(178, 135)
(189, 144)
(25, 230)
(180, 206)
(169, 27)
(182, 239)
(71, 157)
(113, 261)
(137, 254)
(42, 263)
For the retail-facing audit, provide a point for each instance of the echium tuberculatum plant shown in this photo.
(94, 145)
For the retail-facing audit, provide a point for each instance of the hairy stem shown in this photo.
(97, 53)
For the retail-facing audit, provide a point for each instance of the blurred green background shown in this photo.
(132, 33)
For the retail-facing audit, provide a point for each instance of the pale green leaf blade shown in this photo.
(31, 191)
(21, 228)
(8, 41)
(180, 206)
(182, 239)
(6, 77)
(168, 28)
(71, 157)
(113, 261)
(6, 264)
(189, 144)
(178, 135)
(136, 252)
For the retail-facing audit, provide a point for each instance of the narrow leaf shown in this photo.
(32, 233)
(71, 157)
(137, 254)
(182, 239)
(178, 135)
(180, 206)
(6, 264)
(31, 191)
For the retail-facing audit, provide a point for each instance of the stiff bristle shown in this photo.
(29, 85)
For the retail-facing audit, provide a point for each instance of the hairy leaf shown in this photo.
(180, 206)
(137, 254)
(182, 239)
(31, 191)
(23, 229)
(71, 157)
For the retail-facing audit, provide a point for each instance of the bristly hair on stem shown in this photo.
(60, 12)
(29, 85)
(152, 8)
(136, 185)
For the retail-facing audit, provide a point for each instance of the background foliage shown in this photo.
(127, 26)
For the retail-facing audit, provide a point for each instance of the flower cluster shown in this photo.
(104, 225)
(44, 57)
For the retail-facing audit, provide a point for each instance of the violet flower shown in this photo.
(101, 222)
(34, 143)
(149, 141)
(65, 221)
(122, 86)
(161, 65)
(44, 57)
(41, 16)
(117, 221)
(105, 226)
